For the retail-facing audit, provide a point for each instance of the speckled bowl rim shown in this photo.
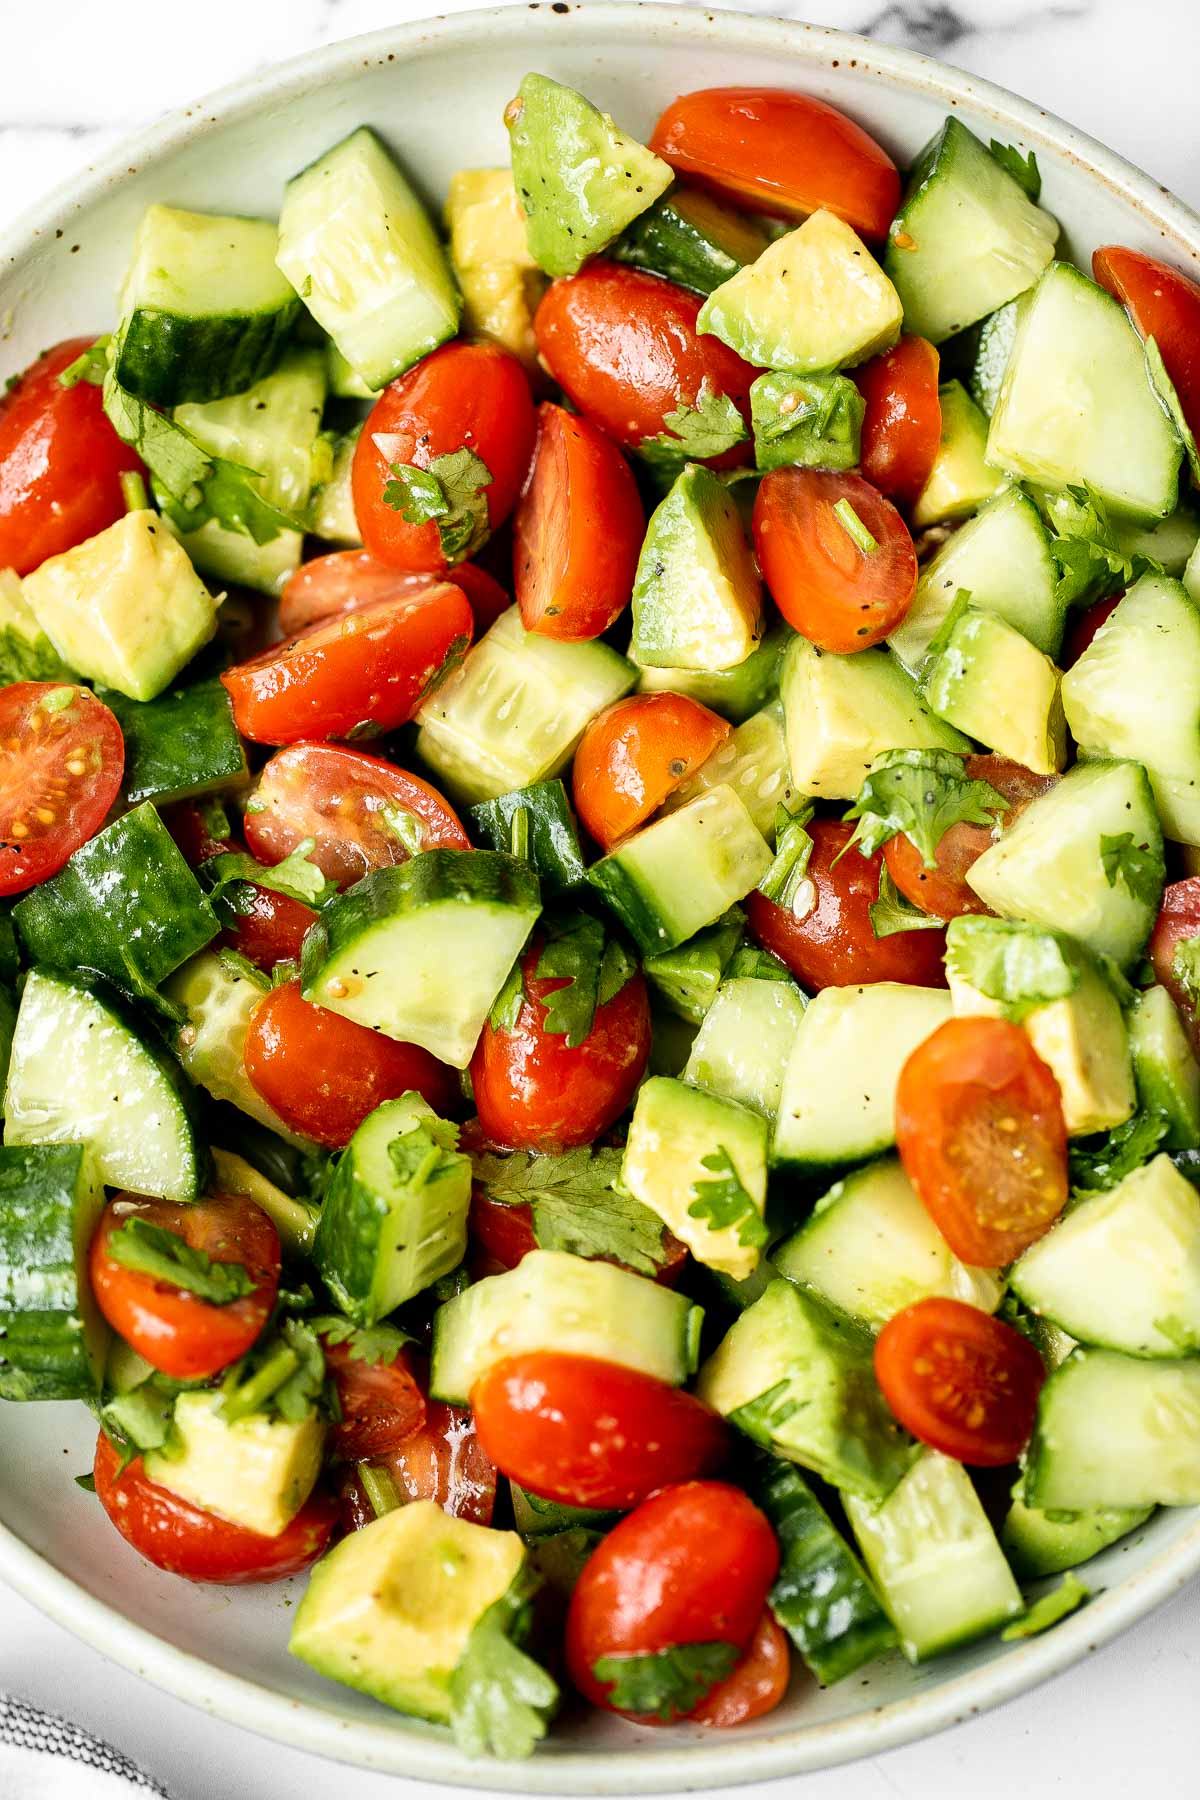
(390, 1745)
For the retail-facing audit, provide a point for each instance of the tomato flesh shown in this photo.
(323, 1073)
(827, 938)
(184, 1539)
(961, 1381)
(980, 1131)
(589, 1433)
(578, 530)
(902, 426)
(1083, 628)
(841, 596)
(534, 1092)
(1178, 919)
(444, 1461)
(637, 753)
(60, 772)
(372, 667)
(269, 928)
(757, 1684)
(61, 462)
(341, 582)
(362, 812)
(944, 890)
(381, 1403)
(1165, 305)
(785, 153)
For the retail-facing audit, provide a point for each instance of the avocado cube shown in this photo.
(125, 608)
(697, 595)
(960, 480)
(1166, 1072)
(734, 693)
(987, 679)
(256, 1471)
(743, 1045)
(812, 420)
(390, 1609)
(815, 299)
(500, 282)
(700, 1163)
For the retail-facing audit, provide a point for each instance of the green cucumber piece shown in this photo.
(180, 746)
(331, 514)
(745, 1039)
(753, 761)
(993, 347)
(691, 238)
(687, 978)
(53, 1339)
(541, 817)
(735, 693)
(537, 1518)
(1116, 1431)
(1037, 1544)
(1164, 1068)
(218, 1000)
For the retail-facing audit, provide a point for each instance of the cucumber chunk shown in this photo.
(420, 950)
(1053, 865)
(204, 309)
(742, 1047)
(993, 347)
(218, 1001)
(360, 250)
(1116, 1431)
(753, 761)
(688, 977)
(1037, 1544)
(697, 594)
(990, 681)
(554, 1301)
(935, 1560)
(126, 1098)
(549, 823)
(180, 746)
(735, 693)
(53, 1339)
(1166, 1072)
(692, 238)
(960, 480)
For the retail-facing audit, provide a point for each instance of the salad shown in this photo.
(601, 957)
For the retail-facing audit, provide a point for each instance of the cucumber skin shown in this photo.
(168, 358)
(44, 1352)
(181, 745)
(553, 838)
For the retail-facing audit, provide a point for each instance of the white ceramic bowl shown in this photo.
(437, 90)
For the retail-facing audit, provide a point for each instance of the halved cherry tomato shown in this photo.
(181, 1334)
(828, 940)
(785, 153)
(959, 1380)
(843, 597)
(61, 462)
(268, 928)
(944, 890)
(902, 426)
(381, 1403)
(578, 530)
(590, 1433)
(184, 1539)
(636, 753)
(363, 812)
(1083, 628)
(1165, 305)
(624, 347)
(323, 1074)
(757, 1684)
(980, 1131)
(1178, 919)
(464, 397)
(505, 1235)
(370, 667)
(61, 761)
(692, 1565)
(534, 1092)
(444, 1461)
(341, 582)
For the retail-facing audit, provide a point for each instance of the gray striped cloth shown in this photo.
(46, 1758)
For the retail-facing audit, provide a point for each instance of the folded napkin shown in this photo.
(45, 1758)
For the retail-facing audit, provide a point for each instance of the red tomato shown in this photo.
(444, 1461)
(944, 890)
(785, 153)
(590, 1433)
(533, 1092)
(624, 347)
(344, 580)
(902, 426)
(464, 397)
(269, 928)
(323, 1074)
(959, 1380)
(381, 1403)
(189, 826)
(184, 1539)
(831, 942)
(692, 1565)
(1164, 305)
(61, 463)
(60, 771)
(350, 803)
(980, 1131)
(181, 1334)
(1083, 628)
(636, 753)
(578, 530)
(505, 1235)
(371, 667)
(757, 1684)
(841, 597)
(1178, 919)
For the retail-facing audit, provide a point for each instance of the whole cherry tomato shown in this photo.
(267, 928)
(381, 1403)
(636, 753)
(980, 1130)
(61, 462)
(1164, 305)
(944, 890)
(757, 1685)
(341, 582)
(578, 530)
(902, 426)
(959, 1380)
(827, 939)
(62, 757)
(464, 398)
(1178, 919)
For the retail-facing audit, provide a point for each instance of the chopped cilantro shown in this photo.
(420, 1153)
(500, 1699)
(694, 433)
(91, 365)
(575, 1204)
(1134, 865)
(1100, 1163)
(786, 882)
(595, 968)
(724, 1204)
(667, 1684)
(854, 528)
(891, 912)
(449, 493)
(506, 1007)
(1185, 967)
(283, 1375)
(149, 1249)
(1022, 966)
(365, 1344)
(297, 876)
(1023, 169)
(920, 794)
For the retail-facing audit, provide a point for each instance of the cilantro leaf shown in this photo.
(1069, 1594)
(91, 365)
(786, 882)
(1023, 169)
(506, 1007)
(667, 1684)
(283, 1375)
(724, 1204)
(447, 493)
(1185, 967)
(1100, 1163)
(595, 967)
(374, 1344)
(920, 794)
(1134, 865)
(891, 912)
(1022, 966)
(242, 969)
(1168, 398)
(149, 1249)
(143, 1417)
(695, 432)
(297, 876)
(500, 1699)
(765, 1416)
(575, 1204)
(1091, 564)
(420, 1153)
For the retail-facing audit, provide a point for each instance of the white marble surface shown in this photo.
(73, 78)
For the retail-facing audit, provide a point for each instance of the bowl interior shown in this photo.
(436, 93)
